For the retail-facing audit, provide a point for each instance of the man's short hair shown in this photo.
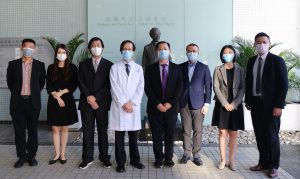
(127, 41)
(93, 40)
(162, 42)
(192, 44)
(261, 34)
(28, 40)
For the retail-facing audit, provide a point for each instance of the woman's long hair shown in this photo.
(66, 68)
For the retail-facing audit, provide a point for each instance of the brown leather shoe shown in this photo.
(258, 167)
(273, 173)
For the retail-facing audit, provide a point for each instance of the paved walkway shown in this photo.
(247, 156)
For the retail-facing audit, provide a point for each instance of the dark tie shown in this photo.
(164, 77)
(127, 69)
(258, 76)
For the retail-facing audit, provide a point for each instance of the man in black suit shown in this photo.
(95, 100)
(25, 80)
(266, 89)
(163, 86)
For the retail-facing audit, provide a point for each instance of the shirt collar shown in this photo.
(164, 63)
(264, 56)
(23, 61)
(98, 60)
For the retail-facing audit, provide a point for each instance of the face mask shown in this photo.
(262, 48)
(96, 51)
(27, 52)
(127, 55)
(163, 54)
(61, 57)
(228, 57)
(192, 56)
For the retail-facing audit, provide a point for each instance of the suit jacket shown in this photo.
(221, 88)
(153, 87)
(198, 91)
(274, 82)
(14, 78)
(95, 83)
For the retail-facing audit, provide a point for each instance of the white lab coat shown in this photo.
(126, 88)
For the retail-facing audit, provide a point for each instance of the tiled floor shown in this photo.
(247, 156)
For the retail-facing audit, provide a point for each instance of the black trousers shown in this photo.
(26, 117)
(163, 124)
(266, 129)
(120, 147)
(88, 116)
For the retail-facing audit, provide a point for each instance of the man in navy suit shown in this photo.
(194, 103)
(266, 89)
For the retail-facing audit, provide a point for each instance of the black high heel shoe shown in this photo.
(53, 161)
(62, 161)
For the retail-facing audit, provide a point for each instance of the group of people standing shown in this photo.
(111, 96)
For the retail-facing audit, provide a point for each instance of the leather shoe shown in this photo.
(273, 173)
(169, 163)
(138, 165)
(120, 169)
(19, 163)
(32, 162)
(53, 161)
(184, 159)
(198, 161)
(258, 167)
(157, 164)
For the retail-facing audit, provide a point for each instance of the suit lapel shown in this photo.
(20, 72)
(223, 73)
(33, 71)
(100, 65)
(157, 76)
(195, 70)
(236, 75)
(91, 66)
(266, 66)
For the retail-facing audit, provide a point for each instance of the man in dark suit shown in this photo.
(163, 86)
(266, 89)
(95, 100)
(194, 102)
(25, 80)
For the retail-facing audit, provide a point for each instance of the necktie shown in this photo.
(96, 62)
(127, 69)
(258, 76)
(164, 77)
(190, 70)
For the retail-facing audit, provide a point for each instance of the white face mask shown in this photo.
(61, 57)
(96, 51)
(262, 48)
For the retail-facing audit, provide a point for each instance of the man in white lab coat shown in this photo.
(127, 88)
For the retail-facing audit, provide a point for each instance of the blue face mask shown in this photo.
(192, 56)
(228, 57)
(27, 52)
(127, 55)
(163, 54)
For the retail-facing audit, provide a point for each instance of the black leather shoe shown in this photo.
(169, 163)
(158, 164)
(258, 167)
(184, 159)
(138, 165)
(198, 161)
(120, 169)
(20, 163)
(53, 161)
(32, 162)
(62, 161)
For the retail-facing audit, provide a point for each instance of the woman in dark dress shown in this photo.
(228, 116)
(61, 82)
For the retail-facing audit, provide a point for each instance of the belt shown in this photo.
(25, 96)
